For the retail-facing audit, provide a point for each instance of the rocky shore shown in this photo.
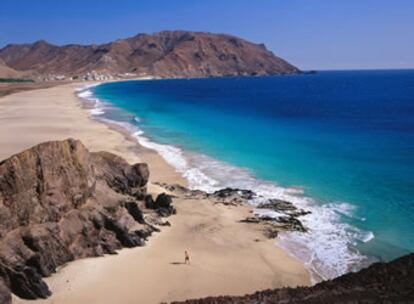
(287, 219)
(59, 202)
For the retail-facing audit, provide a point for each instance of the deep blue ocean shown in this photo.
(340, 144)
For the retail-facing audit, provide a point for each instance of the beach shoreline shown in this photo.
(217, 242)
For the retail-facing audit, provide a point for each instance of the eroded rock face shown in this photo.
(5, 295)
(59, 202)
(379, 283)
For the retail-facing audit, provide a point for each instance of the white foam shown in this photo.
(87, 86)
(86, 94)
(326, 250)
(96, 112)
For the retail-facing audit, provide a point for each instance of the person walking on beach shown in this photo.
(187, 257)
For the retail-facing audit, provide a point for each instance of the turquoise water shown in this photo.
(338, 143)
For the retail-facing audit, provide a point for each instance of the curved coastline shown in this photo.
(326, 251)
(56, 114)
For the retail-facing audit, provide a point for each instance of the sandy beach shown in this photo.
(227, 257)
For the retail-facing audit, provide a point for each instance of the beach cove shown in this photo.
(336, 143)
(225, 258)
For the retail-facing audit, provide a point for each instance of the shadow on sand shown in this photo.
(177, 263)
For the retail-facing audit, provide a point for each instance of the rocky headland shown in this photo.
(59, 202)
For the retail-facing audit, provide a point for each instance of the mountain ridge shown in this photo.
(172, 54)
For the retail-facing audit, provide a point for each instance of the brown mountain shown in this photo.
(164, 54)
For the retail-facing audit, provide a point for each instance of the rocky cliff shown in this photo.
(164, 54)
(59, 202)
(380, 283)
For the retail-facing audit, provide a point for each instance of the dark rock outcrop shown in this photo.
(284, 207)
(287, 218)
(164, 54)
(162, 204)
(58, 203)
(5, 295)
(232, 196)
(379, 283)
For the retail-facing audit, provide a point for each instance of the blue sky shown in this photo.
(312, 34)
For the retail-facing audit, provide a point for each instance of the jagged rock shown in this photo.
(232, 196)
(59, 202)
(283, 207)
(146, 231)
(226, 196)
(391, 282)
(278, 205)
(121, 176)
(5, 295)
(122, 234)
(274, 225)
(135, 212)
(257, 219)
(163, 201)
(288, 213)
(26, 282)
(149, 202)
(163, 205)
(228, 192)
(290, 223)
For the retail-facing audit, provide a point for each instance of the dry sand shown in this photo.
(227, 257)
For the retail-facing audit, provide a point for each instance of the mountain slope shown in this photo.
(164, 54)
(7, 72)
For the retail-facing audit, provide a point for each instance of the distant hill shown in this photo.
(164, 54)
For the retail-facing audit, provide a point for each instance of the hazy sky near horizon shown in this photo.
(312, 34)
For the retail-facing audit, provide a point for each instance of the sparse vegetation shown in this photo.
(14, 80)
